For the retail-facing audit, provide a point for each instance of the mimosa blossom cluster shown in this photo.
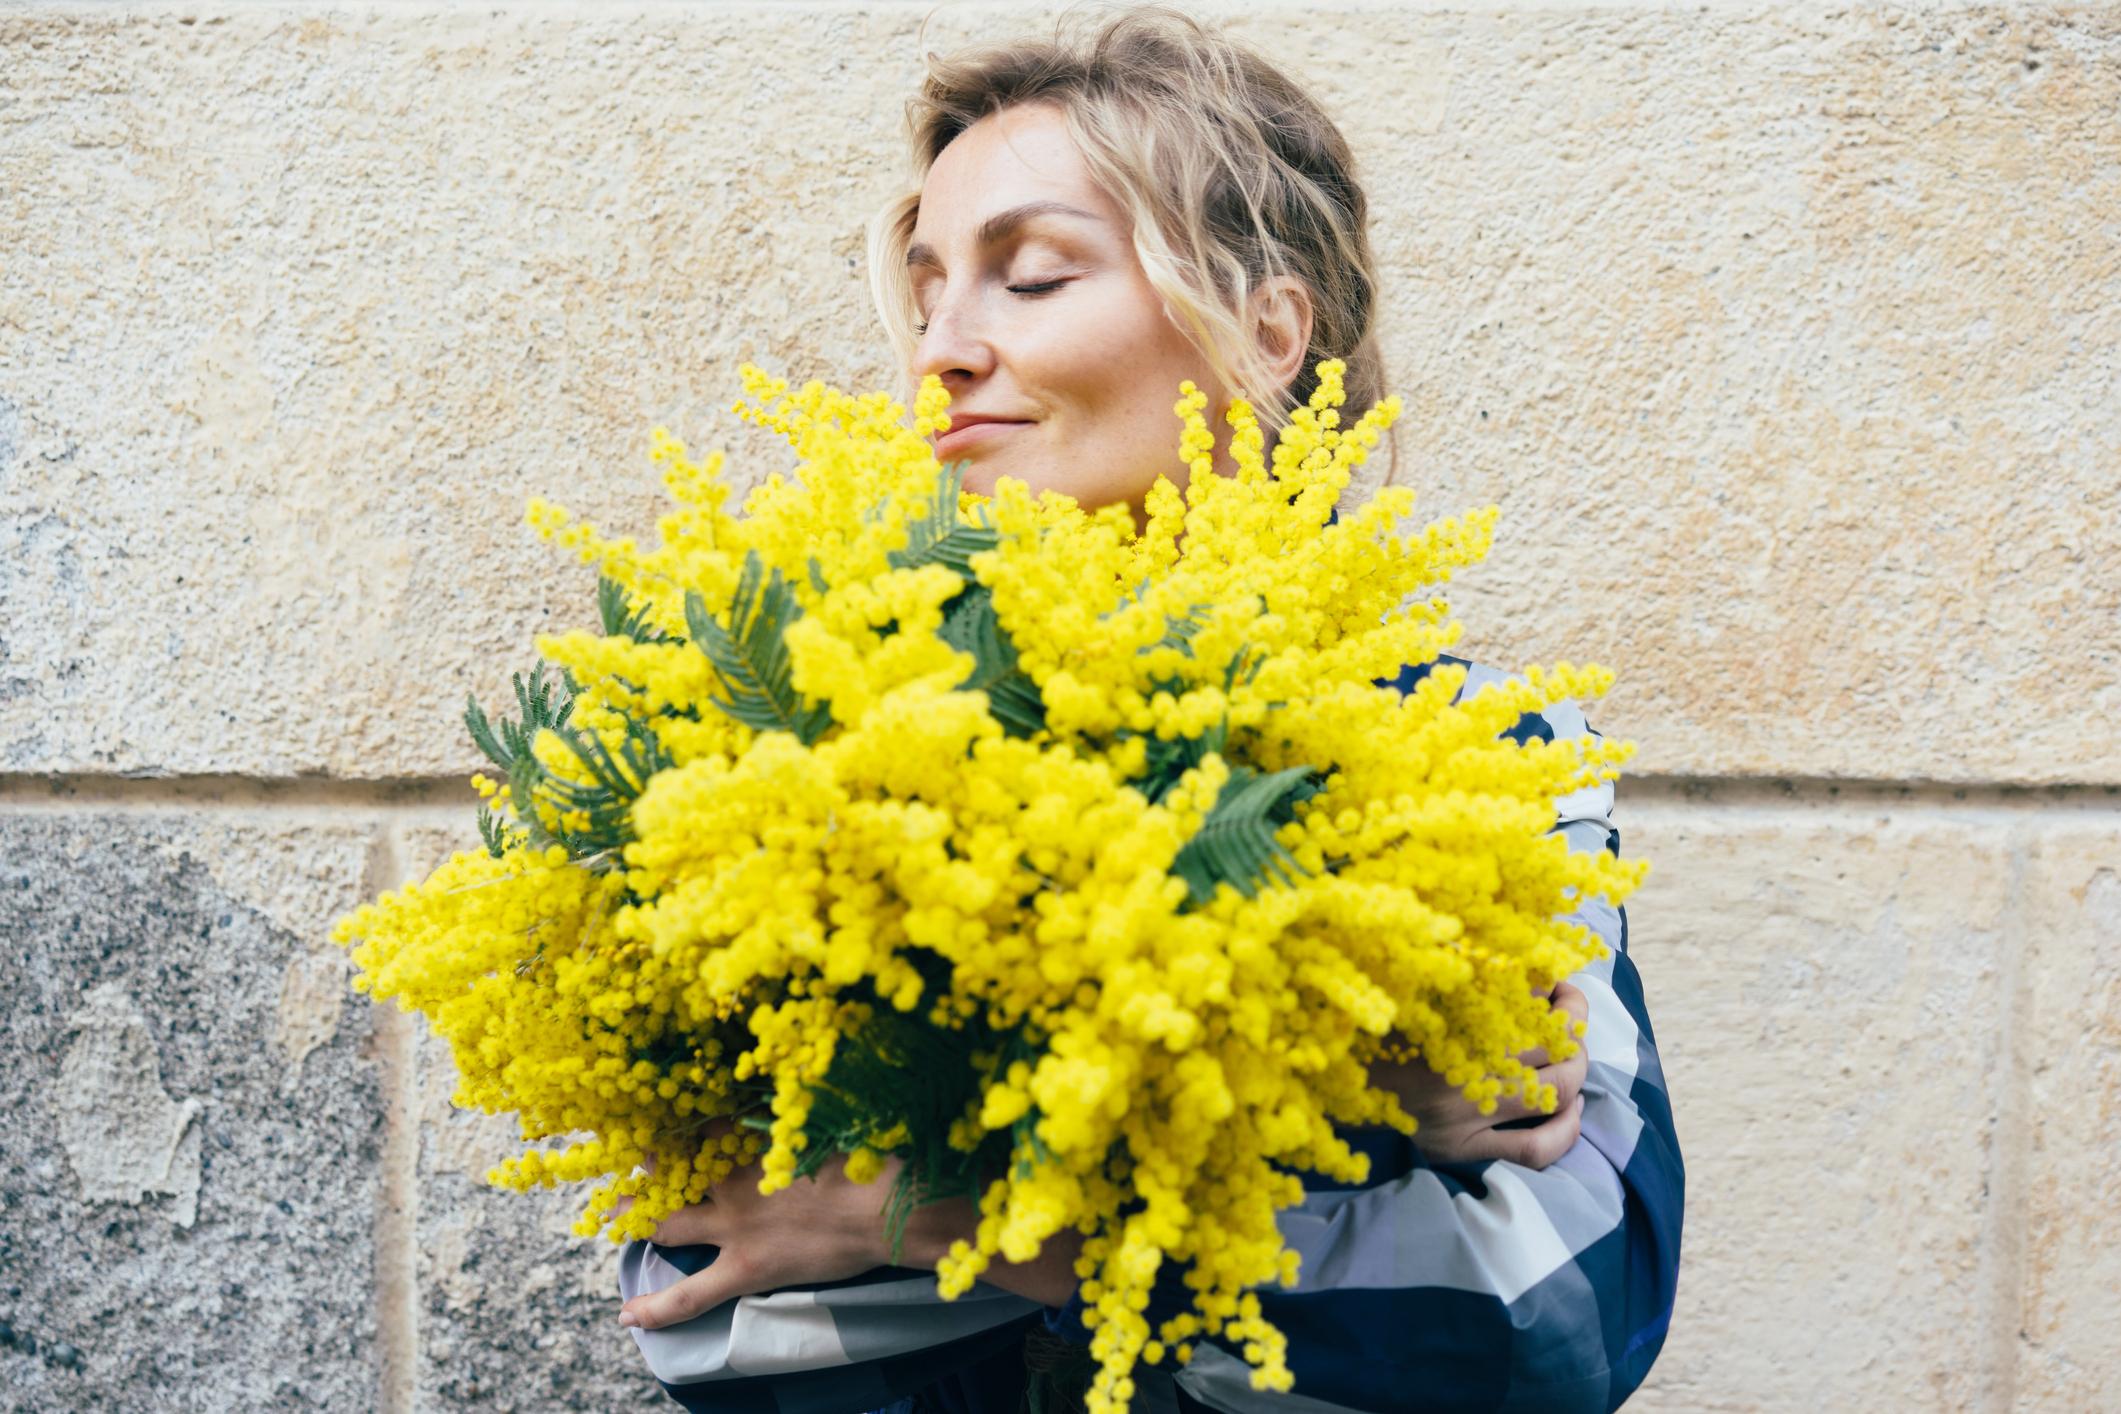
(1087, 870)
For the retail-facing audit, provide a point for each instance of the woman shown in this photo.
(1096, 221)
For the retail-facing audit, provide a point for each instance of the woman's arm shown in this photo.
(805, 1311)
(1048, 1278)
(817, 1348)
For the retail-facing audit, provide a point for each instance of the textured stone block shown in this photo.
(515, 1312)
(1775, 331)
(298, 313)
(1775, 335)
(1829, 994)
(2068, 1326)
(190, 1128)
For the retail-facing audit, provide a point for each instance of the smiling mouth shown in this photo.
(975, 434)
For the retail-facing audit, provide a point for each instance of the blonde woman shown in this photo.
(1098, 218)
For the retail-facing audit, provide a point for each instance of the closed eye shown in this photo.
(1029, 291)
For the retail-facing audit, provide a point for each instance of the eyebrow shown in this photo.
(1001, 224)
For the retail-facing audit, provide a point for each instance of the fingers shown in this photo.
(1567, 1077)
(1571, 1000)
(1535, 1148)
(687, 1227)
(693, 1224)
(725, 1279)
(690, 1226)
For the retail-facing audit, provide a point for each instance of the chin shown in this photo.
(981, 476)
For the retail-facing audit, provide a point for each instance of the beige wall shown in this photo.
(1787, 337)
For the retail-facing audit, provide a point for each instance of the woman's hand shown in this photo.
(817, 1229)
(1452, 1130)
(828, 1227)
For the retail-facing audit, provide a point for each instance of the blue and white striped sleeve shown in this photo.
(1491, 1286)
(834, 1348)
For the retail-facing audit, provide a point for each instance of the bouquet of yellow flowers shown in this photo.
(1086, 870)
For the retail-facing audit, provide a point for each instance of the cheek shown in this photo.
(1113, 364)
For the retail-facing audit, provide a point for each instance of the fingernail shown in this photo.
(628, 1319)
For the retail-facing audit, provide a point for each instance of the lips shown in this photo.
(970, 432)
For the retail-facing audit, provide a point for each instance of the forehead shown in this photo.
(1005, 159)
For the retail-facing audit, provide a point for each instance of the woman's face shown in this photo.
(1035, 311)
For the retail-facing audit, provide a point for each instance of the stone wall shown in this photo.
(1787, 337)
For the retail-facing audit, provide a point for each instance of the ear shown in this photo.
(1280, 311)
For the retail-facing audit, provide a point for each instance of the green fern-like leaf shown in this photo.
(970, 626)
(1244, 665)
(750, 654)
(1179, 632)
(1165, 760)
(492, 833)
(940, 537)
(525, 776)
(606, 800)
(481, 731)
(506, 744)
(537, 707)
(1235, 844)
(902, 1068)
(622, 620)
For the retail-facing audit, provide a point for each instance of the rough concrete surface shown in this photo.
(177, 1230)
(2067, 1323)
(1830, 998)
(515, 1311)
(1785, 336)
(124, 1136)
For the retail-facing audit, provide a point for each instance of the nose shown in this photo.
(956, 347)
